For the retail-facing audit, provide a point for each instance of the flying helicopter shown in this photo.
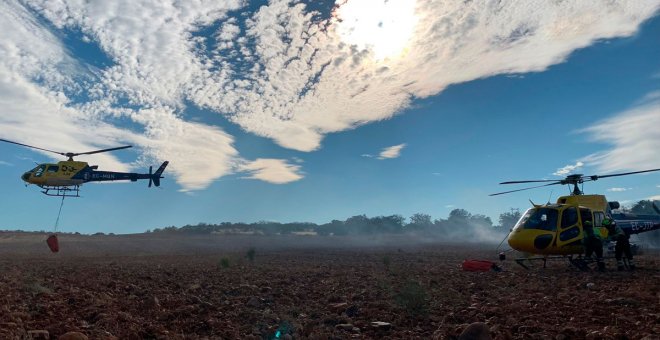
(65, 178)
(557, 228)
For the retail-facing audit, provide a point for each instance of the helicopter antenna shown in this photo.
(550, 197)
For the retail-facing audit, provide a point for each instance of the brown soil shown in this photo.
(134, 287)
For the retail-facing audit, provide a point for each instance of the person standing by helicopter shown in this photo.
(622, 246)
(592, 244)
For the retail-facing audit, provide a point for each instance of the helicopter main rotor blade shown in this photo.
(99, 151)
(538, 186)
(595, 177)
(531, 181)
(33, 147)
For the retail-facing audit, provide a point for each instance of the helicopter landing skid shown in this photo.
(62, 191)
(520, 261)
(580, 263)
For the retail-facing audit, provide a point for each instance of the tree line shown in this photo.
(459, 222)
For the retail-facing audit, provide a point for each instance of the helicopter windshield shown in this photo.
(539, 218)
(38, 171)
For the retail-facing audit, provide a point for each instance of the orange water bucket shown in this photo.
(478, 265)
(53, 244)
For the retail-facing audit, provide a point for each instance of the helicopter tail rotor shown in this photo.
(157, 175)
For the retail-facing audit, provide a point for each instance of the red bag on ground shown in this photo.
(53, 244)
(478, 265)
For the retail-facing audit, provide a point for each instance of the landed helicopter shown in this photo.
(65, 178)
(557, 228)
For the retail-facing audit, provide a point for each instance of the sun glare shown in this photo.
(384, 26)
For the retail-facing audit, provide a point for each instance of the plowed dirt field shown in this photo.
(145, 287)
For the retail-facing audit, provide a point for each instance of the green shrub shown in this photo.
(250, 254)
(387, 261)
(413, 299)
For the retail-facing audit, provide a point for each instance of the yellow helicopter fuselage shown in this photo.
(557, 229)
(64, 173)
(72, 174)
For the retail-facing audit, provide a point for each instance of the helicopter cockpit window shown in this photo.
(569, 217)
(53, 168)
(541, 218)
(38, 171)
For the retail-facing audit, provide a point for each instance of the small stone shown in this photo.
(591, 285)
(381, 325)
(38, 334)
(594, 335)
(253, 302)
(338, 307)
(476, 331)
(352, 311)
(344, 326)
(73, 336)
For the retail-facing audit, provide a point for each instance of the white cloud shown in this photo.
(298, 79)
(41, 119)
(633, 137)
(568, 169)
(307, 80)
(6, 163)
(654, 198)
(618, 189)
(449, 206)
(393, 151)
(276, 171)
(651, 96)
(42, 113)
(198, 153)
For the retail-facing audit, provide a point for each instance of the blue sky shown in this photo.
(271, 111)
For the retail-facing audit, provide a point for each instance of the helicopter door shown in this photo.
(570, 233)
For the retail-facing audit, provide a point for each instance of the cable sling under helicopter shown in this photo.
(57, 221)
(52, 240)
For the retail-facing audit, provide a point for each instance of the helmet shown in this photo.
(606, 222)
(587, 223)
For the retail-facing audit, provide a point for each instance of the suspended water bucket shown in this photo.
(53, 244)
(479, 266)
